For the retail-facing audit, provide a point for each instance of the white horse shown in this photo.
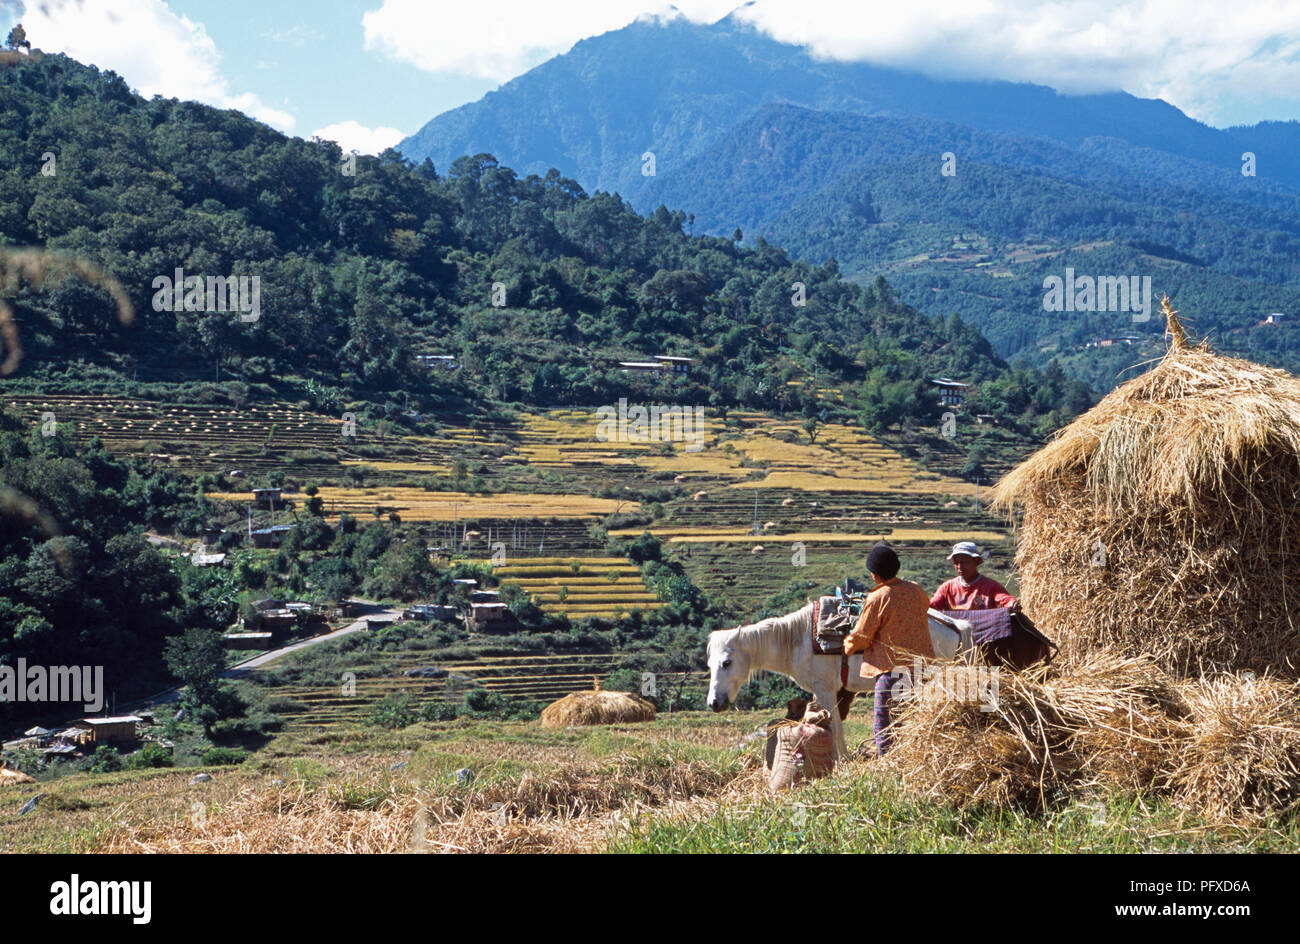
(783, 644)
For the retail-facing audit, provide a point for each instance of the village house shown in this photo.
(661, 365)
(680, 366)
(952, 393)
(653, 368)
(114, 730)
(1125, 339)
(437, 361)
(490, 617)
(267, 497)
(270, 537)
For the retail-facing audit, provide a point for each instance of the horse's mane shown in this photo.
(783, 634)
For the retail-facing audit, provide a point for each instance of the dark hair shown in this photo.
(883, 562)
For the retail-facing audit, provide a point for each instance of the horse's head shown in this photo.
(728, 667)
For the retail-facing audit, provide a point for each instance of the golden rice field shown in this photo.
(744, 535)
(589, 590)
(415, 504)
(843, 459)
(433, 468)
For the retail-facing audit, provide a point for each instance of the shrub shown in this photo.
(105, 760)
(438, 711)
(481, 703)
(393, 711)
(223, 756)
(152, 754)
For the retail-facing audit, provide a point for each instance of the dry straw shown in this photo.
(1107, 721)
(596, 707)
(1165, 520)
(1239, 750)
(1225, 750)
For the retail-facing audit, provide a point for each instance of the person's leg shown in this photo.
(884, 696)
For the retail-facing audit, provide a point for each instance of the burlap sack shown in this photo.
(803, 751)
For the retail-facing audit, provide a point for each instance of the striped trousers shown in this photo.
(880, 721)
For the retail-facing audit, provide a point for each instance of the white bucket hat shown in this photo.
(969, 548)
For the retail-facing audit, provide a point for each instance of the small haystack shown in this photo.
(1239, 752)
(596, 707)
(8, 776)
(1166, 520)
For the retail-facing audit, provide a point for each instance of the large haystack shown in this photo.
(596, 707)
(1166, 520)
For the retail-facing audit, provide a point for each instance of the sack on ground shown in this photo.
(800, 751)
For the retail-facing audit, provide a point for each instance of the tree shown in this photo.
(197, 659)
(18, 38)
(335, 577)
(974, 465)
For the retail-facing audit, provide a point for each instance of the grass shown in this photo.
(858, 811)
(689, 782)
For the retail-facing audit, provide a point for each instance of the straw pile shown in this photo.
(1226, 750)
(596, 707)
(1239, 754)
(8, 776)
(1162, 521)
(1108, 721)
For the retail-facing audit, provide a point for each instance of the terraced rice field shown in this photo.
(599, 586)
(253, 438)
(843, 491)
(541, 678)
(416, 504)
(843, 458)
(743, 536)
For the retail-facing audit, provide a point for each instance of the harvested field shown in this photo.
(415, 504)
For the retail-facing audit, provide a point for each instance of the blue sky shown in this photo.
(368, 72)
(316, 66)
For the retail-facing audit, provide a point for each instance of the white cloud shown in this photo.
(1196, 54)
(500, 40)
(156, 51)
(350, 136)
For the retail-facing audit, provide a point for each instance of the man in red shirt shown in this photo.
(969, 590)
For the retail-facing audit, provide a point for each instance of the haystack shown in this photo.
(596, 707)
(1166, 520)
(1239, 751)
(1110, 721)
(1226, 750)
(8, 776)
